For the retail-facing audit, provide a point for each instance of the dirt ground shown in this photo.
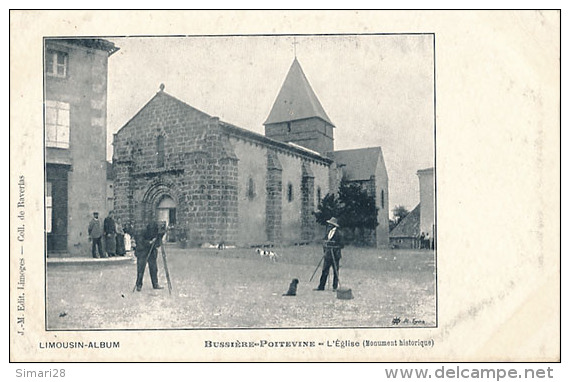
(236, 288)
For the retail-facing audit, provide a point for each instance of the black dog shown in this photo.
(292, 288)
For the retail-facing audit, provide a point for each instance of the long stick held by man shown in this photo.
(146, 252)
(332, 245)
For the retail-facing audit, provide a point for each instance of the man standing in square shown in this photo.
(332, 247)
(147, 252)
(95, 232)
(109, 230)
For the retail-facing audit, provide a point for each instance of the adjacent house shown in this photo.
(75, 107)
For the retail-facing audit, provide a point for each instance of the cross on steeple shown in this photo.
(295, 46)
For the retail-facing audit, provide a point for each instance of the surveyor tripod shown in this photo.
(335, 265)
(145, 259)
(166, 272)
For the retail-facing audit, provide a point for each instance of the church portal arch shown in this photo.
(161, 202)
(166, 210)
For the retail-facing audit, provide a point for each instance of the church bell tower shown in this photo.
(298, 117)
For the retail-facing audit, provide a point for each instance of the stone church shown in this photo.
(214, 182)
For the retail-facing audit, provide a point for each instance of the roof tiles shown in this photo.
(296, 99)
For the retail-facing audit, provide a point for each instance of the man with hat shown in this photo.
(95, 232)
(146, 252)
(332, 253)
(110, 230)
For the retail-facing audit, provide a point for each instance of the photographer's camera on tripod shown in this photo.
(330, 244)
(161, 229)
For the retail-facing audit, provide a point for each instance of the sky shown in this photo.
(378, 90)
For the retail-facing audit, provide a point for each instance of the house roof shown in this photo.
(93, 43)
(359, 164)
(425, 171)
(296, 99)
(408, 226)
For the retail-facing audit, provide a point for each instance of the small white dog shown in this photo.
(269, 254)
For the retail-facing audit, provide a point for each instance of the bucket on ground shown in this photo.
(344, 294)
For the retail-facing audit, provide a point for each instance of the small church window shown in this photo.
(160, 151)
(289, 126)
(290, 192)
(250, 191)
(382, 198)
(318, 195)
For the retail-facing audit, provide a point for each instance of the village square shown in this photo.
(239, 214)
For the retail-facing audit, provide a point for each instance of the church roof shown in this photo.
(408, 226)
(296, 99)
(164, 96)
(161, 98)
(286, 146)
(359, 164)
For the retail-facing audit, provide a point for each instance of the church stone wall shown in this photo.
(321, 173)
(135, 155)
(291, 210)
(335, 177)
(229, 187)
(307, 202)
(200, 171)
(251, 194)
(265, 214)
(274, 198)
(312, 133)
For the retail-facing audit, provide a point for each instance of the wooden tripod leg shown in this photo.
(318, 265)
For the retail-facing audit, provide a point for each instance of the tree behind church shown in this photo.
(355, 209)
(328, 207)
(399, 212)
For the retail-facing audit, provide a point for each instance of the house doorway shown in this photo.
(56, 210)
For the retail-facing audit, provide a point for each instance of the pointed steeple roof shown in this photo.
(296, 99)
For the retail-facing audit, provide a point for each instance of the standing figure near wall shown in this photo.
(120, 239)
(146, 251)
(332, 246)
(109, 230)
(95, 232)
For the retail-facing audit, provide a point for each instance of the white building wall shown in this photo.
(251, 210)
(291, 210)
(427, 200)
(383, 228)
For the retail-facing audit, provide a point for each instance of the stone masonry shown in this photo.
(274, 189)
(308, 203)
(213, 171)
(199, 171)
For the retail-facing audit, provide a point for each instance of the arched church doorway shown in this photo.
(166, 211)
